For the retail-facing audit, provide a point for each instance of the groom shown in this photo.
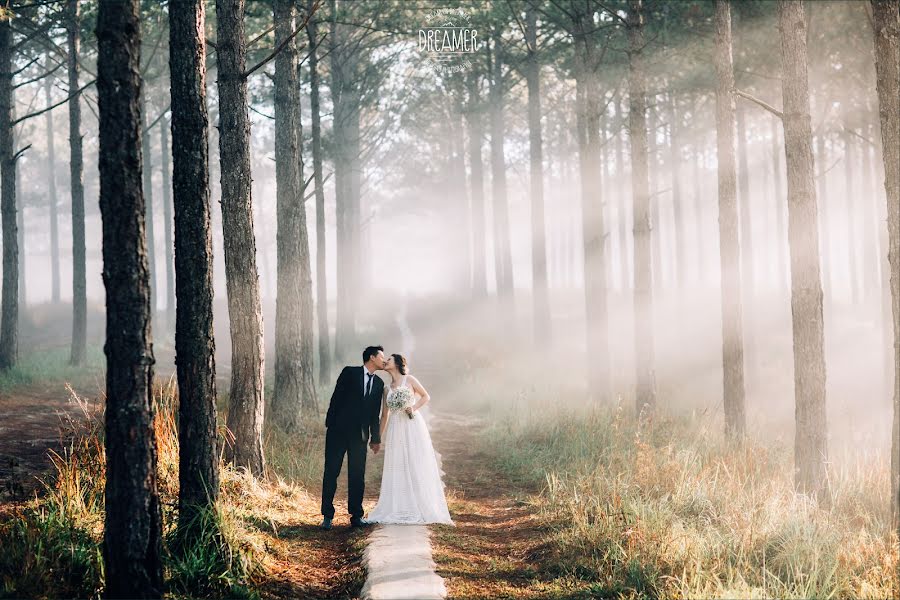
(353, 418)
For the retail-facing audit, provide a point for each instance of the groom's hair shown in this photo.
(370, 352)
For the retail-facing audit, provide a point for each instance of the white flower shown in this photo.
(400, 398)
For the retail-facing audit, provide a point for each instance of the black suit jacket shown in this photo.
(350, 410)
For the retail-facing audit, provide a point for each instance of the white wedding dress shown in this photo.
(412, 492)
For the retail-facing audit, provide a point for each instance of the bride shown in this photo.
(411, 489)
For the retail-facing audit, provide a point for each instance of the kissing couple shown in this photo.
(364, 412)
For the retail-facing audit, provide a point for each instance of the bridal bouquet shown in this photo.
(401, 399)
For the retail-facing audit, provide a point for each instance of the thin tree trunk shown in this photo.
(342, 193)
(198, 458)
(852, 217)
(780, 226)
(656, 269)
(595, 288)
(886, 17)
(502, 250)
(246, 406)
(76, 168)
(729, 244)
(319, 181)
(622, 192)
(538, 240)
(811, 444)
(294, 382)
(747, 274)
(132, 543)
(9, 305)
(52, 199)
(680, 255)
(645, 396)
(476, 167)
(148, 199)
(20, 237)
(824, 217)
(168, 223)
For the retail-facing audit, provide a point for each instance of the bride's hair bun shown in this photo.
(400, 361)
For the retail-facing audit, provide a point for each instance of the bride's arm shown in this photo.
(385, 413)
(421, 391)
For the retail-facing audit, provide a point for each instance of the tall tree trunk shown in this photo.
(52, 199)
(148, 200)
(132, 543)
(824, 217)
(645, 396)
(312, 29)
(343, 331)
(729, 244)
(595, 289)
(294, 382)
(852, 216)
(780, 226)
(76, 169)
(20, 236)
(656, 268)
(9, 306)
(810, 447)
(541, 297)
(680, 255)
(886, 17)
(476, 167)
(168, 223)
(747, 274)
(245, 412)
(198, 472)
(622, 192)
(502, 250)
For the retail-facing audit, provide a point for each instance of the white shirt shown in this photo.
(366, 377)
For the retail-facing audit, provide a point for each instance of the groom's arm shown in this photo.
(336, 398)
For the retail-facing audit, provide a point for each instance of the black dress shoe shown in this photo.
(326, 524)
(359, 522)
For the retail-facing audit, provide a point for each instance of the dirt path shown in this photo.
(491, 551)
(34, 419)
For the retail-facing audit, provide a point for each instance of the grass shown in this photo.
(52, 365)
(664, 508)
(259, 539)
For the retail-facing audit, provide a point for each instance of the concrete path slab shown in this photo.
(399, 565)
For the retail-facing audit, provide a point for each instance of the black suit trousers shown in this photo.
(338, 442)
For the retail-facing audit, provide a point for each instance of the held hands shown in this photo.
(375, 447)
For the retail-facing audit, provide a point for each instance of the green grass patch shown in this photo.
(52, 365)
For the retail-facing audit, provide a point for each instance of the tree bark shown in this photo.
(622, 192)
(645, 396)
(167, 216)
(502, 250)
(593, 228)
(476, 168)
(9, 305)
(246, 406)
(729, 244)
(52, 199)
(780, 226)
(294, 384)
(747, 274)
(321, 265)
(132, 539)
(195, 349)
(148, 200)
(886, 17)
(76, 169)
(824, 217)
(343, 331)
(680, 255)
(852, 216)
(541, 295)
(810, 447)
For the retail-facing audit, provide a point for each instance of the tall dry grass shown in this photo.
(665, 508)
